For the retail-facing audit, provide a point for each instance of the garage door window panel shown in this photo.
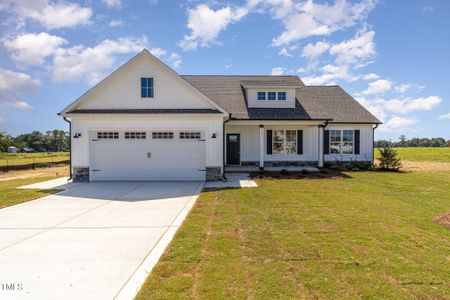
(162, 135)
(135, 135)
(190, 135)
(107, 135)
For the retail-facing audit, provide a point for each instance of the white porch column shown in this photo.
(320, 158)
(261, 147)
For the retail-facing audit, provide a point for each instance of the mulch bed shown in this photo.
(298, 175)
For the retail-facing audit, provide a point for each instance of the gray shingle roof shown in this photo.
(144, 111)
(313, 102)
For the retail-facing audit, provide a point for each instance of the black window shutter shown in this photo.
(357, 141)
(326, 142)
(269, 141)
(299, 141)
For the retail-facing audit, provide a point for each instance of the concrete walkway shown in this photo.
(92, 241)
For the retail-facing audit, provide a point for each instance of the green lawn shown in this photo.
(369, 236)
(422, 154)
(9, 195)
(29, 158)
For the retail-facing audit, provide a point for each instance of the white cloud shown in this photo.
(14, 85)
(175, 60)
(444, 117)
(116, 23)
(206, 24)
(349, 54)
(113, 3)
(278, 71)
(286, 51)
(32, 49)
(381, 107)
(370, 76)
(398, 124)
(312, 51)
(91, 63)
(378, 87)
(50, 15)
(307, 18)
(358, 51)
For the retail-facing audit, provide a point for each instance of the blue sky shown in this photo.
(392, 56)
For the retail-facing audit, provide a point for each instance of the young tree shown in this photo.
(389, 159)
(403, 141)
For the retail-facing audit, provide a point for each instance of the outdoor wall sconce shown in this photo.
(76, 135)
(213, 136)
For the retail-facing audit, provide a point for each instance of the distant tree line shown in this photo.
(50, 141)
(403, 142)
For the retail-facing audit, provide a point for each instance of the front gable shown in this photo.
(122, 89)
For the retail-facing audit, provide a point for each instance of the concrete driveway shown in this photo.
(93, 241)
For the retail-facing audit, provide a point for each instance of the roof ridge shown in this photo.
(217, 75)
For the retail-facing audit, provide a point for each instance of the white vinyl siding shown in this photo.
(87, 124)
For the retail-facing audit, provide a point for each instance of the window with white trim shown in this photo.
(261, 95)
(271, 96)
(146, 87)
(284, 142)
(162, 135)
(281, 95)
(190, 135)
(107, 135)
(135, 135)
(341, 141)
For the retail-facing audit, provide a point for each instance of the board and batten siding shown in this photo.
(87, 124)
(125, 91)
(366, 143)
(250, 142)
(310, 144)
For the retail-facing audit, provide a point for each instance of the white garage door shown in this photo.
(147, 155)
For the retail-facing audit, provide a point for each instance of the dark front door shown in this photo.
(233, 149)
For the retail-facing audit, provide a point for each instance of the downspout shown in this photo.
(373, 142)
(70, 147)
(323, 131)
(223, 146)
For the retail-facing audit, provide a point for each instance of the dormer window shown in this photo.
(271, 96)
(146, 87)
(261, 95)
(281, 95)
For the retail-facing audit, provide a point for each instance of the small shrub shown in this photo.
(389, 159)
(284, 172)
(355, 169)
(342, 168)
(324, 171)
(305, 171)
(320, 175)
(371, 168)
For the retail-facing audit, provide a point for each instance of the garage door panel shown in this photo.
(147, 159)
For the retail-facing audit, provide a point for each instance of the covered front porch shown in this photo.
(270, 145)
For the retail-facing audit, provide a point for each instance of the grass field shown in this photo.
(9, 159)
(10, 195)
(371, 235)
(422, 154)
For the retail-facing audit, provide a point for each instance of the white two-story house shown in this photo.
(146, 122)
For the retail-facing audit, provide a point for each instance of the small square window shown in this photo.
(281, 95)
(107, 135)
(271, 95)
(261, 95)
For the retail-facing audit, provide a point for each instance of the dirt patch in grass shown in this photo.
(425, 166)
(444, 220)
(62, 170)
